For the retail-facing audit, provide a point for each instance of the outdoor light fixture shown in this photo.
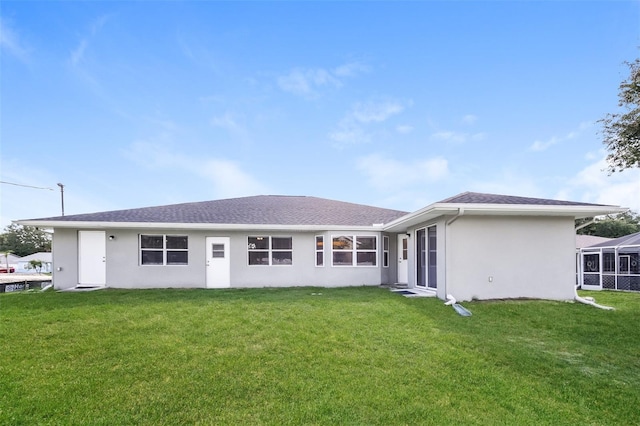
(112, 237)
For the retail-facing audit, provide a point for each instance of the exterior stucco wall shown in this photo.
(124, 271)
(64, 248)
(511, 257)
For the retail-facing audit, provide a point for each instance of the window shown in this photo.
(385, 251)
(217, 251)
(164, 250)
(270, 250)
(354, 250)
(319, 250)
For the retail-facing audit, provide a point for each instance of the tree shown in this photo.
(621, 132)
(5, 254)
(612, 226)
(35, 264)
(24, 240)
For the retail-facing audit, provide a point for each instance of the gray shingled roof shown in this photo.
(257, 210)
(479, 198)
(627, 240)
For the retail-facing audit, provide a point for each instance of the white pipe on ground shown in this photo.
(591, 302)
(450, 300)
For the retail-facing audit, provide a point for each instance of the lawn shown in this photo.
(314, 356)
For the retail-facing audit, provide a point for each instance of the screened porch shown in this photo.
(612, 265)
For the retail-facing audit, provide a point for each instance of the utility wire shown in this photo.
(26, 186)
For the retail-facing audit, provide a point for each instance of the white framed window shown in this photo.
(354, 250)
(385, 251)
(270, 251)
(163, 249)
(319, 250)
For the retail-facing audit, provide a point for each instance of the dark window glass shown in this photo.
(151, 257)
(177, 257)
(281, 258)
(258, 258)
(151, 241)
(278, 243)
(342, 243)
(258, 243)
(176, 242)
(319, 258)
(367, 259)
(366, 243)
(342, 258)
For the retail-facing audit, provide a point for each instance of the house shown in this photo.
(24, 263)
(472, 245)
(612, 264)
(583, 241)
(8, 262)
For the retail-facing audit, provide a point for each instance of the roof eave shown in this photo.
(446, 209)
(193, 226)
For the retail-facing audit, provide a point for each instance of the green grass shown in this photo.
(289, 356)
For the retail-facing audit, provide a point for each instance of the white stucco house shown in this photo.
(24, 263)
(471, 246)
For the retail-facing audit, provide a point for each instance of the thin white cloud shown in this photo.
(593, 184)
(469, 119)
(227, 121)
(542, 145)
(451, 136)
(226, 177)
(404, 129)
(307, 82)
(384, 173)
(376, 111)
(349, 134)
(77, 54)
(507, 182)
(350, 69)
(10, 41)
(352, 128)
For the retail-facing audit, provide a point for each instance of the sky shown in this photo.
(390, 104)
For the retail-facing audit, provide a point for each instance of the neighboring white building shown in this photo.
(44, 257)
(471, 246)
(10, 259)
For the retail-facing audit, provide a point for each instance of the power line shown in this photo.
(26, 186)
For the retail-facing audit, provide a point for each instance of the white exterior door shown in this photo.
(218, 262)
(92, 258)
(403, 256)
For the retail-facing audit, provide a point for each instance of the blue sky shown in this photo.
(393, 104)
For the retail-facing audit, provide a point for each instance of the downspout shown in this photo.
(446, 246)
(576, 297)
(584, 225)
